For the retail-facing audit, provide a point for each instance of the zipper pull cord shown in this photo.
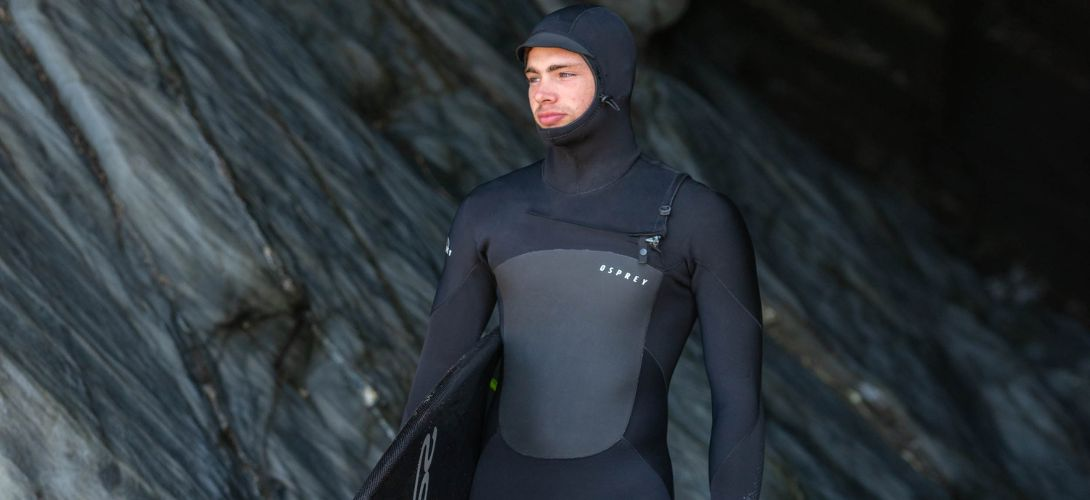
(609, 101)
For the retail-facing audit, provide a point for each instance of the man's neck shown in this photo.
(590, 158)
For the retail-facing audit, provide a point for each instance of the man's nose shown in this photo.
(544, 93)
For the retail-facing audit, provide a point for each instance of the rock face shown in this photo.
(977, 109)
(222, 224)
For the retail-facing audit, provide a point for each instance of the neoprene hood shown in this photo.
(599, 145)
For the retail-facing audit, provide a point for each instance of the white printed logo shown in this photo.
(420, 486)
(616, 271)
(447, 250)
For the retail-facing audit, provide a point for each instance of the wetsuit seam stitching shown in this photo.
(719, 466)
(729, 291)
(571, 27)
(454, 292)
(648, 464)
(499, 431)
(662, 373)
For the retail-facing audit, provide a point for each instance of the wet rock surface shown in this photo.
(223, 222)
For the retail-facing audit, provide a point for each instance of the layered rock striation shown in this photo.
(222, 224)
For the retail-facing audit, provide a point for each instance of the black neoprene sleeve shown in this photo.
(462, 305)
(728, 305)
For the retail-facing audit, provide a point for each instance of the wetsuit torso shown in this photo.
(592, 329)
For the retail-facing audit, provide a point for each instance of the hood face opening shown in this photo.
(558, 134)
(597, 33)
(604, 41)
(555, 40)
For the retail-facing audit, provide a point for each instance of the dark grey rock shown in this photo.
(222, 226)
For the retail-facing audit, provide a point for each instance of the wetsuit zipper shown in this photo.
(645, 240)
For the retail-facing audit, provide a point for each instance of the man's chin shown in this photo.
(554, 125)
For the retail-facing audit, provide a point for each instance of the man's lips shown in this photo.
(549, 117)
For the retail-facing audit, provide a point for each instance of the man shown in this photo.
(596, 297)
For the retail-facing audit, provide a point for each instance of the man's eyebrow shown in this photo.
(531, 69)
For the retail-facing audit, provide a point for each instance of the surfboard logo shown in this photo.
(427, 450)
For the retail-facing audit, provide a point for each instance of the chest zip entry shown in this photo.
(646, 241)
(649, 241)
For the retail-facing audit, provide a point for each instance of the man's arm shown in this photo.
(462, 305)
(729, 308)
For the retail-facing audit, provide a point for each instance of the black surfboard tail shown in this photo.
(437, 449)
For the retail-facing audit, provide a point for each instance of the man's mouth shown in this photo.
(549, 118)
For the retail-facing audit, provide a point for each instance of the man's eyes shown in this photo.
(563, 74)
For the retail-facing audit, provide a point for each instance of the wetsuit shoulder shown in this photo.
(480, 207)
(698, 199)
(507, 184)
(712, 224)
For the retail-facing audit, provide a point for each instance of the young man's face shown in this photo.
(561, 85)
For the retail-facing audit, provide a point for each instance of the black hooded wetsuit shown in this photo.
(592, 329)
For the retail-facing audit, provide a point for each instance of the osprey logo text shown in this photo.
(420, 486)
(616, 271)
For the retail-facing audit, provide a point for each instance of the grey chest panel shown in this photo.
(574, 323)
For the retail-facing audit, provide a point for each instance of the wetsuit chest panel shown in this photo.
(574, 323)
